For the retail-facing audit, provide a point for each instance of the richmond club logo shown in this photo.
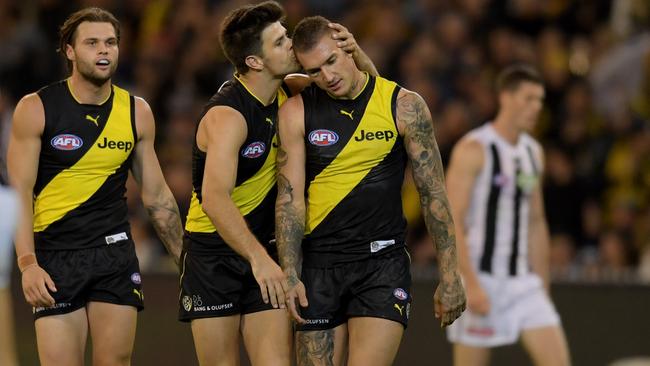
(254, 150)
(66, 142)
(323, 137)
(187, 303)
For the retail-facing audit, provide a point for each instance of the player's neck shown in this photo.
(506, 128)
(263, 87)
(357, 85)
(86, 92)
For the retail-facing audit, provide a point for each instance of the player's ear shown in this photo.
(69, 52)
(254, 62)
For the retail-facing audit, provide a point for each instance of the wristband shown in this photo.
(26, 260)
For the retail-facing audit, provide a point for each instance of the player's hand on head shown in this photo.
(449, 300)
(272, 281)
(477, 299)
(345, 39)
(36, 283)
(296, 295)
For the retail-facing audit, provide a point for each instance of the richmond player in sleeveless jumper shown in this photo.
(230, 282)
(345, 142)
(71, 148)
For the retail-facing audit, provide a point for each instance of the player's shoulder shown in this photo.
(470, 144)
(530, 140)
(292, 105)
(30, 106)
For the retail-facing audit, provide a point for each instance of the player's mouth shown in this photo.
(336, 85)
(103, 64)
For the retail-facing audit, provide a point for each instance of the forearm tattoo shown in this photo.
(315, 348)
(166, 220)
(428, 174)
(289, 225)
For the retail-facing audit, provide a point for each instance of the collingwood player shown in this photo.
(494, 185)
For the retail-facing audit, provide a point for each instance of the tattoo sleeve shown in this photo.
(428, 174)
(289, 223)
(315, 348)
(166, 220)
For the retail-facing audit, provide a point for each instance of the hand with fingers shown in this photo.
(271, 279)
(449, 300)
(296, 295)
(36, 283)
(345, 39)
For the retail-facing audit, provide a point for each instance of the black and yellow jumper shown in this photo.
(86, 153)
(255, 186)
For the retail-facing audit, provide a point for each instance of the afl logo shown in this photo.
(400, 294)
(254, 150)
(323, 137)
(66, 142)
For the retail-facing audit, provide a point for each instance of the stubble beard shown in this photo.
(92, 76)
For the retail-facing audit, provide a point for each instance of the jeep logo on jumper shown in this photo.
(323, 137)
(66, 142)
(254, 150)
(378, 135)
(110, 144)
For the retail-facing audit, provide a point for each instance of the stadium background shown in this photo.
(595, 127)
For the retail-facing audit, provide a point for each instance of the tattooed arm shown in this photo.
(465, 166)
(415, 124)
(290, 204)
(156, 195)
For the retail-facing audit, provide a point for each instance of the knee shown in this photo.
(112, 359)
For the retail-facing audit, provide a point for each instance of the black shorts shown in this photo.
(110, 273)
(217, 285)
(378, 287)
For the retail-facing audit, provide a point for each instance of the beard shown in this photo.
(97, 78)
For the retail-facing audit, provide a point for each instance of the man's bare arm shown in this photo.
(23, 156)
(465, 165)
(538, 235)
(222, 131)
(157, 198)
(290, 203)
(416, 125)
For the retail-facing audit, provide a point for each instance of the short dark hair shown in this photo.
(68, 30)
(241, 31)
(308, 32)
(510, 78)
